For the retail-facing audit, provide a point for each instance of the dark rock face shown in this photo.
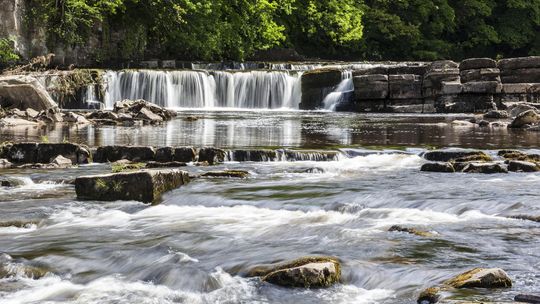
(405, 86)
(497, 114)
(522, 166)
(368, 87)
(165, 154)
(212, 155)
(316, 85)
(116, 153)
(254, 155)
(172, 164)
(449, 155)
(528, 298)
(438, 167)
(185, 154)
(23, 153)
(308, 272)
(227, 173)
(143, 186)
(76, 153)
(519, 63)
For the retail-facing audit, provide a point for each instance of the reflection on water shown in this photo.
(287, 129)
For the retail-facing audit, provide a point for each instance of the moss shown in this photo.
(120, 167)
(472, 279)
(430, 295)
(478, 157)
(101, 185)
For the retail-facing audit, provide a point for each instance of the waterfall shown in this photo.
(206, 89)
(338, 95)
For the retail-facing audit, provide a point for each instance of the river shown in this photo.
(196, 246)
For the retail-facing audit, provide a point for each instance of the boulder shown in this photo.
(212, 155)
(77, 154)
(485, 168)
(527, 298)
(497, 114)
(185, 154)
(480, 75)
(450, 155)
(24, 92)
(23, 153)
(481, 278)
(519, 63)
(308, 272)
(102, 115)
(31, 113)
(444, 167)
(147, 115)
(518, 108)
(477, 63)
(518, 155)
(17, 122)
(61, 162)
(146, 186)
(5, 164)
(370, 87)
(522, 166)
(414, 231)
(227, 173)
(525, 118)
(76, 118)
(132, 153)
(254, 155)
(406, 86)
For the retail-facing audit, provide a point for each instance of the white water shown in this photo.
(345, 86)
(203, 89)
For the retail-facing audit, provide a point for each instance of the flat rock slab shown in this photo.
(481, 278)
(145, 186)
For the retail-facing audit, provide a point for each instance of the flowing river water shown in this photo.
(196, 246)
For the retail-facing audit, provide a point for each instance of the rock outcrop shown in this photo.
(24, 92)
(145, 186)
(29, 153)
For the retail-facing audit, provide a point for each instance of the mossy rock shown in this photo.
(481, 278)
(429, 296)
(478, 157)
(414, 231)
(227, 173)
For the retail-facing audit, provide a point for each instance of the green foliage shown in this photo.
(8, 56)
(120, 167)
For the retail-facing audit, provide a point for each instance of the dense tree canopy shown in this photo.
(339, 29)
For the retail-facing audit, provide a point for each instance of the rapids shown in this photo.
(196, 246)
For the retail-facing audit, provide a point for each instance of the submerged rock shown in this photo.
(526, 218)
(414, 231)
(62, 162)
(481, 278)
(528, 298)
(524, 119)
(429, 296)
(497, 114)
(145, 186)
(307, 272)
(227, 173)
(522, 166)
(5, 164)
(445, 167)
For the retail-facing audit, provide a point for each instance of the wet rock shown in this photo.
(444, 167)
(254, 155)
(102, 115)
(528, 298)
(17, 122)
(121, 166)
(450, 155)
(212, 155)
(462, 123)
(481, 278)
(146, 186)
(477, 63)
(147, 115)
(23, 153)
(10, 182)
(185, 154)
(518, 155)
(309, 155)
(62, 162)
(5, 164)
(172, 164)
(309, 272)
(78, 154)
(479, 157)
(164, 154)
(526, 118)
(143, 110)
(24, 92)
(522, 166)
(497, 114)
(483, 123)
(76, 118)
(227, 173)
(414, 231)
(316, 85)
(429, 296)
(485, 168)
(517, 108)
(132, 153)
(526, 218)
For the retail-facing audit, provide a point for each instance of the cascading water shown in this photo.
(204, 89)
(339, 94)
